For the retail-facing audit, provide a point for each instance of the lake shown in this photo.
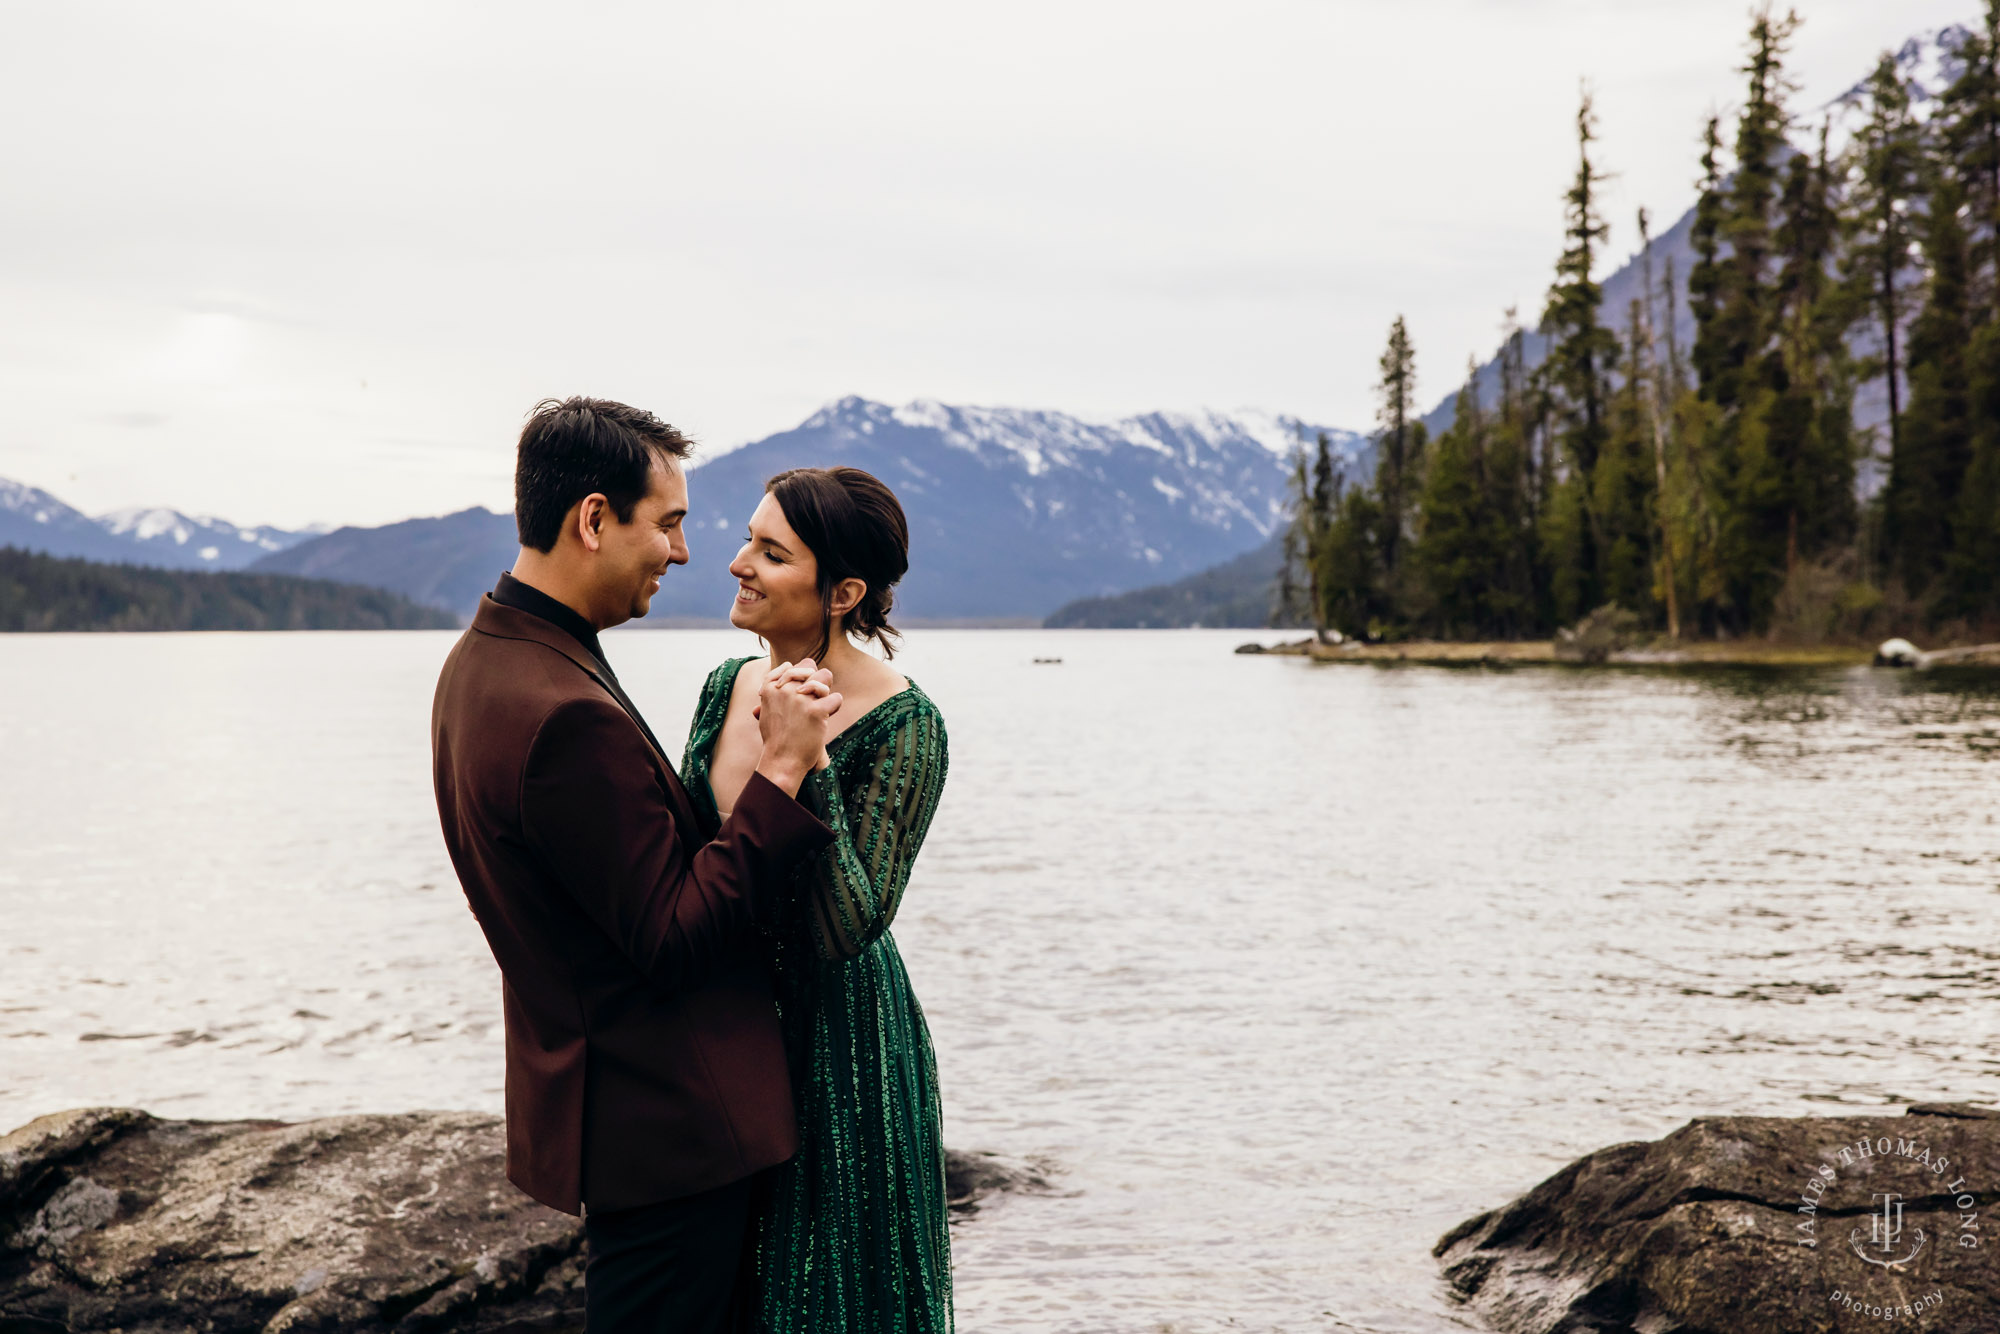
(1286, 968)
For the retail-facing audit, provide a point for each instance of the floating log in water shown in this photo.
(1902, 653)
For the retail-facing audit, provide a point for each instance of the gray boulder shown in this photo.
(1751, 1225)
(111, 1219)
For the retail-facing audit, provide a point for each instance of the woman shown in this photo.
(854, 1235)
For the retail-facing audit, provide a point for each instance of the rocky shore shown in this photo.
(1529, 652)
(111, 1219)
(1684, 653)
(1751, 1225)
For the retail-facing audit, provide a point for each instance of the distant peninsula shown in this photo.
(50, 593)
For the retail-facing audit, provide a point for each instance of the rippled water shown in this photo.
(1289, 968)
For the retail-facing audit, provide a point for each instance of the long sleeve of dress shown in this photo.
(878, 803)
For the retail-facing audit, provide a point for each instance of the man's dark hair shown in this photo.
(572, 448)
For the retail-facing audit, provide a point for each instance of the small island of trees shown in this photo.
(1710, 491)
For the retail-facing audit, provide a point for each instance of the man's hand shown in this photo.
(793, 706)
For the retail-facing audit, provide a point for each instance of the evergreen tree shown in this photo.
(1400, 448)
(1580, 353)
(1969, 120)
(1452, 548)
(1936, 439)
(1757, 428)
(1470, 539)
(1705, 277)
(1622, 486)
(1351, 571)
(1969, 115)
(1972, 574)
(1888, 156)
(1811, 371)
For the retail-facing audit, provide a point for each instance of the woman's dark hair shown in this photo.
(572, 448)
(855, 529)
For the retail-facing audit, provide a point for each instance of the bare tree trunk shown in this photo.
(1650, 373)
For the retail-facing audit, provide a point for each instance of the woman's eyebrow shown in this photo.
(769, 542)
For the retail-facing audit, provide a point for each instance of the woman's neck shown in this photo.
(839, 658)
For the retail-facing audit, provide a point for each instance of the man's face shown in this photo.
(632, 556)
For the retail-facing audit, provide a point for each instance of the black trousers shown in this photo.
(668, 1268)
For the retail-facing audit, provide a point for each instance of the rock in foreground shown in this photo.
(113, 1219)
(1751, 1225)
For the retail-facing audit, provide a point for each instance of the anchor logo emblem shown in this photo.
(1885, 1229)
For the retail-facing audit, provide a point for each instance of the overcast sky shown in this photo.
(286, 262)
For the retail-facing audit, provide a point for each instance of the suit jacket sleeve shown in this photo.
(593, 804)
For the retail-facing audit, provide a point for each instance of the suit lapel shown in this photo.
(511, 623)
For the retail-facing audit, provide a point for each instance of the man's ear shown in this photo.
(592, 513)
(847, 595)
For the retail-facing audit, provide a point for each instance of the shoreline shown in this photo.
(1542, 652)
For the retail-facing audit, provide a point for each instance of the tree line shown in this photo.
(49, 593)
(1711, 489)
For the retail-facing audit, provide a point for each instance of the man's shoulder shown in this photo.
(495, 681)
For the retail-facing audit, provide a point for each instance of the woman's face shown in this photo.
(777, 580)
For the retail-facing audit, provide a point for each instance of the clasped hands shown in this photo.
(795, 704)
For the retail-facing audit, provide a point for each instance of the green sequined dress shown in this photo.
(854, 1236)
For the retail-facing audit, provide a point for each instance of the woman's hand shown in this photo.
(803, 675)
(792, 710)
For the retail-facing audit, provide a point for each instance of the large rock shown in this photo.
(111, 1219)
(1749, 1225)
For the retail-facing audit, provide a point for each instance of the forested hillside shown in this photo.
(45, 593)
(1708, 485)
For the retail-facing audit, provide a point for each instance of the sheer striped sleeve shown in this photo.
(878, 800)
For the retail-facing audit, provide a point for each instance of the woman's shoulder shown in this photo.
(905, 709)
(721, 683)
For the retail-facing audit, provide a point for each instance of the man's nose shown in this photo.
(677, 552)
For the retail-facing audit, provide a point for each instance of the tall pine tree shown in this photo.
(1886, 168)
(1580, 354)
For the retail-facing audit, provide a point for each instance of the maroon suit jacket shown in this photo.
(643, 1054)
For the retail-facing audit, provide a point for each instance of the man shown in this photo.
(646, 1084)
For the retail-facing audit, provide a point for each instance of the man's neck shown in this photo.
(547, 576)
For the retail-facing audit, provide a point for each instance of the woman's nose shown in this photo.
(740, 567)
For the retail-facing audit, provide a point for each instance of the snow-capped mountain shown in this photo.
(213, 543)
(1928, 63)
(34, 520)
(1013, 512)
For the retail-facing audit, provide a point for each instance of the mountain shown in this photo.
(445, 562)
(170, 538)
(1013, 512)
(40, 593)
(1236, 593)
(34, 520)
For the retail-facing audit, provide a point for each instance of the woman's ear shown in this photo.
(847, 595)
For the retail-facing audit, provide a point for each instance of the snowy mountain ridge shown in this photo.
(34, 520)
